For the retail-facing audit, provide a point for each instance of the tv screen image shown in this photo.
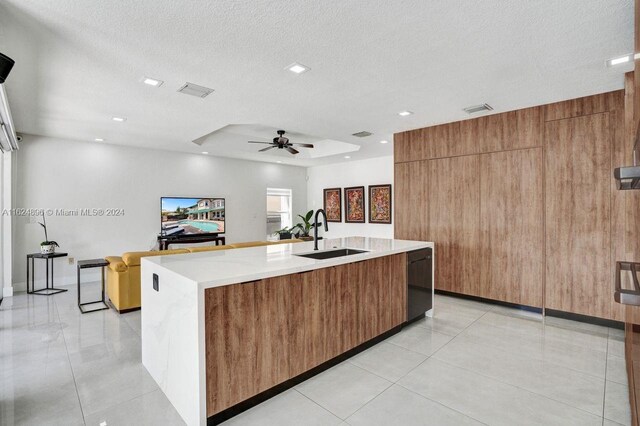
(189, 216)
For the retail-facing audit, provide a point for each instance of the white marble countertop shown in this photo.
(224, 267)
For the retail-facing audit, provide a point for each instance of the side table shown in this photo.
(86, 264)
(48, 258)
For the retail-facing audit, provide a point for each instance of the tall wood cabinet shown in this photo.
(452, 219)
(577, 217)
(511, 226)
(522, 205)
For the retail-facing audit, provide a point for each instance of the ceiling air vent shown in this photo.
(478, 108)
(195, 90)
(362, 134)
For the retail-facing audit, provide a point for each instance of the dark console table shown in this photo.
(165, 240)
(48, 258)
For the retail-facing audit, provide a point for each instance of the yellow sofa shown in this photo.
(123, 273)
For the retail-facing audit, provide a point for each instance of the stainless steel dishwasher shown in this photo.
(419, 283)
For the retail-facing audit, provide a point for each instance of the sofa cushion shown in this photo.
(293, 240)
(116, 264)
(250, 244)
(208, 248)
(132, 258)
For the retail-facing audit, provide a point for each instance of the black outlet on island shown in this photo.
(156, 282)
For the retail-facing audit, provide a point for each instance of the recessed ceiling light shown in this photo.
(279, 162)
(119, 119)
(205, 152)
(347, 156)
(404, 113)
(621, 60)
(384, 141)
(99, 140)
(152, 81)
(297, 68)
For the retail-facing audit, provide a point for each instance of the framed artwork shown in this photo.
(333, 204)
(354, 204)
(380, 204)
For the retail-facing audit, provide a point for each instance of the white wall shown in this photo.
(59, 174)
(374, 171)
(6, 168)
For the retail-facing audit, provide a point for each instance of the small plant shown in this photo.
(305, 226)
(284, 233)
(46, 241)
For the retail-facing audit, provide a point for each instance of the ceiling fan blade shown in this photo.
(267, 148)
(303, 145)
(268, 143)
(291, 150)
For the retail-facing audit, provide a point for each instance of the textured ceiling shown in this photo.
(232, 141)
(78, 63)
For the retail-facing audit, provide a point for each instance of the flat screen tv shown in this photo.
(192, 216)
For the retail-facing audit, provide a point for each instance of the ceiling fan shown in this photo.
(281, 142)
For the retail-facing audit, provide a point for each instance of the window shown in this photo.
(279, 210)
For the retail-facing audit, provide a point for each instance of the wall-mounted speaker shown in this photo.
(6, 63)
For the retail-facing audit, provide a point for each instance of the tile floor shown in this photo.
(473, 363)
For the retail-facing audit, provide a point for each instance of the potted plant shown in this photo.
(47, 247)
(304, 227)
(284, 233)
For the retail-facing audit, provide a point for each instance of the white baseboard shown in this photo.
(19, 287)
(60, 280)
(7, 292)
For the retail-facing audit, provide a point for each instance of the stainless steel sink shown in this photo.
(330, 254)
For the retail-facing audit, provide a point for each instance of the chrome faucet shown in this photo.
(315, 227)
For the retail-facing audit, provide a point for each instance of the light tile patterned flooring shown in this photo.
(473, 363)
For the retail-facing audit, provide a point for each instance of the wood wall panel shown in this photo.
(356, 273)
(453, 222)
(625, 204)
(227, 336)
(415, 145)
(412, 194)
(621, 245)
(393, 295)
(497, 132)
(578, 215)
(444, 141)
(344, 310)
(636, 75)
(402, 200)
(396, 301)
(309, 301)
(400, 148)
(408, 146)
(271, 331)
(376, 273)
(434, 213)
(582, 106)
(511, 226)
(493, 132)
(259, 334)
(529, 128)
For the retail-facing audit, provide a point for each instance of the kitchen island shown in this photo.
(223, 330)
